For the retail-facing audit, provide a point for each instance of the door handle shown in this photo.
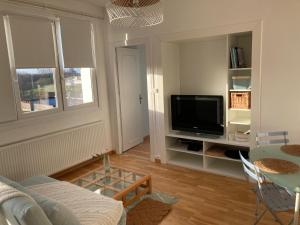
(140, 98)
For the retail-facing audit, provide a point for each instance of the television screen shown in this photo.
(197, 113)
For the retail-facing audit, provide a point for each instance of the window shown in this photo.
(78, 86)
(33, 61)
(78, 61)
(37, 89)
(52, 62)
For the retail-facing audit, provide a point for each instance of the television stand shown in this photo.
(211, 157)
(211, 136)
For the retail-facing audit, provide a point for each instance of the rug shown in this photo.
(148, 212)
(151, 209)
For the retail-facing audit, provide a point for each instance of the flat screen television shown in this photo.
(198, 113)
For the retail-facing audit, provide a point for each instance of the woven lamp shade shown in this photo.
(135, 13)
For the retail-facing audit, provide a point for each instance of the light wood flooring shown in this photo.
(204, 198)
(142, 150)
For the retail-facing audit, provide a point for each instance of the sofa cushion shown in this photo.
(35, 180)
(23, 211)
(57, 213)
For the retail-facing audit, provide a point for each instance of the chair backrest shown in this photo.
(272, 137)
(249, 168)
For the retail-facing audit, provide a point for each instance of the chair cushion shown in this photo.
(57, 213)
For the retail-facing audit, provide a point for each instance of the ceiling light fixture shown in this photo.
(135, 13)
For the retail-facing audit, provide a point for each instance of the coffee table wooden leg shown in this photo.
(124, 200)
(149, 184)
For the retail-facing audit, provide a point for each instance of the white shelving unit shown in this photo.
(198, 67)
(239, 119)
(186, 160)
(239, 69)
(240, 90)
(210, 158)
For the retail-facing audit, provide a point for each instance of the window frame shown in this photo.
(94, 86)
(58, 75)
(57, 83)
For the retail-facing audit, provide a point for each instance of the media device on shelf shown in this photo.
(192, 145)
(198, 113)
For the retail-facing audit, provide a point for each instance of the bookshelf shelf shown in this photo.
(245, 110)
(240, 69)
(219, 153)
(239, 90)
(240, 121)
(183, 149)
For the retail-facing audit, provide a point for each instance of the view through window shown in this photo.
(37, 89)
(78, 85)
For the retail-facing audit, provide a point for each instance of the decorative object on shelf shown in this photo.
(240, 100)
(135, 13)
(241, 82)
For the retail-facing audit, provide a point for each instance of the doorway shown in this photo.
(133, 95)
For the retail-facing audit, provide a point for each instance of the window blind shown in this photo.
(77, 45)
(33, 42)
(7, 102)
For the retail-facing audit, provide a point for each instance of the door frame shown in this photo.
(150, 87)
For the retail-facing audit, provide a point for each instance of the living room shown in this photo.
(92, 100)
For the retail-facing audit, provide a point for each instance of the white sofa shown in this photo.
(47, 201)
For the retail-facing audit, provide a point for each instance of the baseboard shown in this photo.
(94, 159)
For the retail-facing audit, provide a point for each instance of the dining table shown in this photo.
(290, 181)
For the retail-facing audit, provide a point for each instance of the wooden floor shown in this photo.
(142, 150)
(204, 198)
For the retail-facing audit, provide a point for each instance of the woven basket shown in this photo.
(240, 100)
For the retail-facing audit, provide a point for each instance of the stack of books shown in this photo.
(237, 57)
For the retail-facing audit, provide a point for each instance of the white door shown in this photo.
(130, 96)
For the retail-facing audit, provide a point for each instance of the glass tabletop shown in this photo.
(291, 181)
(108, 182)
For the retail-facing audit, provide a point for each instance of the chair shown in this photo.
(274, 198)
(271, 137)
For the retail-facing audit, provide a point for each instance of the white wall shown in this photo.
(171, 65)
(143, 68)
(27, 128)
(203, 67)
(280, 105)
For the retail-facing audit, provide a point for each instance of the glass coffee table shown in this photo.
(117, 183)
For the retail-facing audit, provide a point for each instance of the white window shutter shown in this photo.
(8, 111)
(33, 42)
(77, 44)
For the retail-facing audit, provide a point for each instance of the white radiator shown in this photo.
(52, 153)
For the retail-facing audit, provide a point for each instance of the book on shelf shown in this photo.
(237, 57)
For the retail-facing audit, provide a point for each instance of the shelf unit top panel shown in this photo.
(221, 140)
